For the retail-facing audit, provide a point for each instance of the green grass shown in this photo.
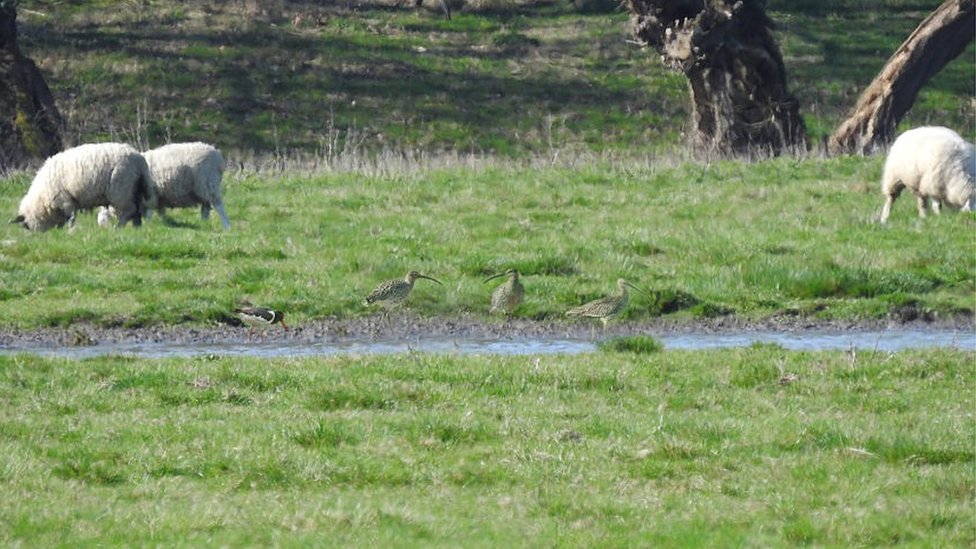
(360, 126)
(755, 447)
(769, 238)
(631, 344)
(502, 78)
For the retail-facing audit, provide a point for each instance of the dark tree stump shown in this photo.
(30, 124)
(735, 72)
(940, 38)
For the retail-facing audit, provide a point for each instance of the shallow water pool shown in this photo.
(881, 340)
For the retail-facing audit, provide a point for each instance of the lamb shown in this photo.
(186, 174)
(85, 177)
(934, 163)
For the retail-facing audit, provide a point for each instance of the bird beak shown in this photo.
(635, 287)
(430, 278)
(493, 277)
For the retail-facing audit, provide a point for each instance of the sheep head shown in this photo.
(19, 220)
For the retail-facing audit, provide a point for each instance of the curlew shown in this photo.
(606, 307)
(509, 295)
(261, 316)
(393, 292)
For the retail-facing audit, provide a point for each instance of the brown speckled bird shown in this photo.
(607, 307)
(509, 295)
(393, 292)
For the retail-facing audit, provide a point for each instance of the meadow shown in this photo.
(756, 447)
(364, 141)
(371, 141)
(784, 237)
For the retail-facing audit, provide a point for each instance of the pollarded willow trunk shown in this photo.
(735, 72)
(30, 124)
(940, 38)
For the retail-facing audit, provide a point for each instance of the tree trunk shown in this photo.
(941, 37)
(30, 124)
(735, 72)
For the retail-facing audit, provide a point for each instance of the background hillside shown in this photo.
(502, 77)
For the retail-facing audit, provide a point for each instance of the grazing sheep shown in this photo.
(85, 177)
(186, 175)
(934, 163)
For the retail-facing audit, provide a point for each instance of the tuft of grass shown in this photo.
(669, 300)
(631, 344)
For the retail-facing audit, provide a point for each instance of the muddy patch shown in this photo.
(478, 335)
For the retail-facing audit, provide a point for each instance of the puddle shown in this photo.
(886, 340)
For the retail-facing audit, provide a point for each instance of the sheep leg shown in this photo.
(162, 215)
(129, 213)
(219, 206)
(134, 217)
(920, 202)
(936, 206)
(105, 215)
(886, 211)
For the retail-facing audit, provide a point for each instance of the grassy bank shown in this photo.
(756, 447)
(776, 237)
(503, 77)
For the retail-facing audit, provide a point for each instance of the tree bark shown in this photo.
(735, 71)
(30, 124)
(940, 38)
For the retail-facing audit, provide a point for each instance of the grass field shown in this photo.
(373, 141)
(757, 447)
(780, 237)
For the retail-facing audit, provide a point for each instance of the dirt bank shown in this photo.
(410, 327)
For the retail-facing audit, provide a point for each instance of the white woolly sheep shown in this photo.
(934, 163)
(85, 177)
(186, 175)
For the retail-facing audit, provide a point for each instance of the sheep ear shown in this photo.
(18, 219)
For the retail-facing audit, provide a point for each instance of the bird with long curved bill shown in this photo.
(605, 307)
(509, 295)
(394, 292)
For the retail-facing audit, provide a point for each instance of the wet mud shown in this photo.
(407, 327)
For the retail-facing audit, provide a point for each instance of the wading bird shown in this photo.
(393, 292)
(606, 307)
(261, 316)
(509, 295)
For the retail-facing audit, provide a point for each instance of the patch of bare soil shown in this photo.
(406, 326)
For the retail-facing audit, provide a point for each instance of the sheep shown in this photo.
(934, 163)
(84, 177)
(186, 174)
